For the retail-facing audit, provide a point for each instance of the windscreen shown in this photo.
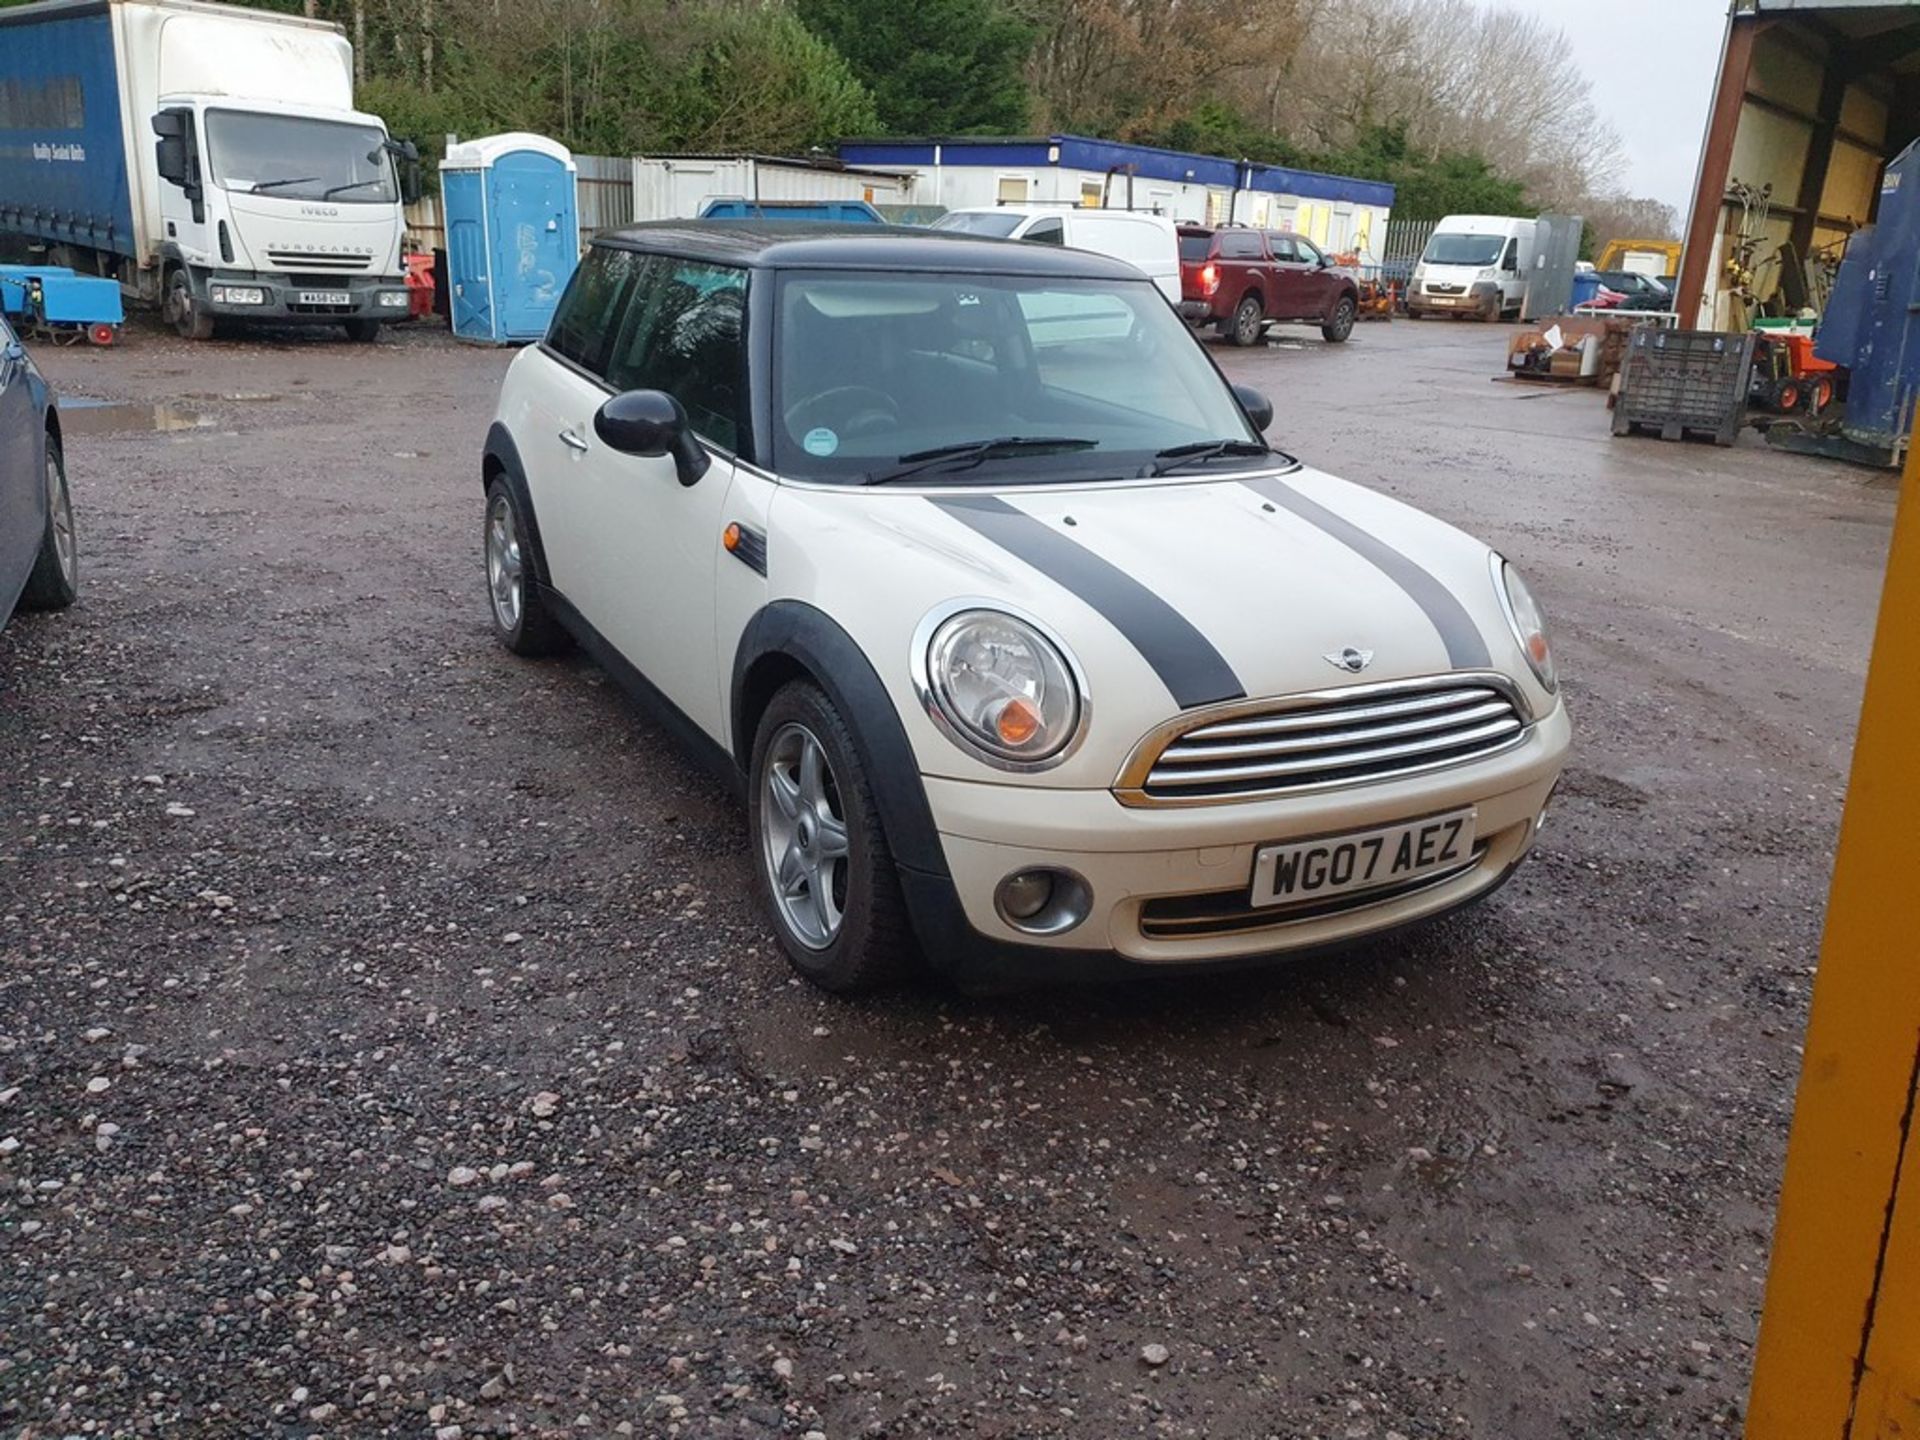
(1478, 250)
(997, 223)
(870, 369)
(300, 158)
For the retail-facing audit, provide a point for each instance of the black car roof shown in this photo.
(823, 245)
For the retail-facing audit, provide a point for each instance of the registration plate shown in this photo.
(325, 297)
(1336, 864)
(1444, 299)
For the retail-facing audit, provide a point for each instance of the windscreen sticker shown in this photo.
(821, 441)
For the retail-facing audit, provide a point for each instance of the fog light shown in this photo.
(238, 295)
(1043, 901)
(1025, 895)
(394, 299)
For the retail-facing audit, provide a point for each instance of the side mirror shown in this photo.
(406, 160)
(170, 159)
(652, 423)
(1258, 407)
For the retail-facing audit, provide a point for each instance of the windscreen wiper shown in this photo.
(352, 185)
(1175, 456)
(972, 452)
(260, 185)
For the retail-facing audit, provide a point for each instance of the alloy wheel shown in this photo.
(60, 518)
(506, 573)
(803, 833)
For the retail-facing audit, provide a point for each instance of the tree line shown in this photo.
(1465, 106)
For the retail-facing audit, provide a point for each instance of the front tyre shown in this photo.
(820, 855)
(189, 317)
(521, 620)
(1339, 325)
(55, 578)
(362, 332)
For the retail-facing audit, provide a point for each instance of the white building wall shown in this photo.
(678, 188)
(1337, 225)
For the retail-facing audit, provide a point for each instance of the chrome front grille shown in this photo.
(1440, 287)
(303, 260)
(1347, 736)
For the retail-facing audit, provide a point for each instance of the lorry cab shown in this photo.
(1145, 241)
(1473, 265)
(275, 212)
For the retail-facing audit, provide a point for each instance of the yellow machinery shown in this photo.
(1643, 257)
(1839, 1352)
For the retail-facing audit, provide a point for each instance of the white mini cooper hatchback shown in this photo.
(1031, 655)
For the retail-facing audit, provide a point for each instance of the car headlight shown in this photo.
(1529, 625)
(393, 299)
(999, 687)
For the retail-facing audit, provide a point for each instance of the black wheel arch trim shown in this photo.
(796, 632)
(500, 451)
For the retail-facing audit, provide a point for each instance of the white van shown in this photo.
(1145, 241)
(1473, 265)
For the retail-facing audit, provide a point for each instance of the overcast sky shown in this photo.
(1652, 65)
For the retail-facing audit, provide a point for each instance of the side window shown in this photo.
(589, 312)
(1240, 245)
(1049, 231)
(685, 335)
(1282, 247)
(1510, 261)
(1305, 251)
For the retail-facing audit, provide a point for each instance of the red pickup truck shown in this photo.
(1241, 281)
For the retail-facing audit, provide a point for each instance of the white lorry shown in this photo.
(208, 157)
(1473, 265)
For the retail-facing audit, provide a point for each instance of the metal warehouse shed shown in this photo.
(1813, 98)
(1336, 211)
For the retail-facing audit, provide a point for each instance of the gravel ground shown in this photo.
(389, 1045)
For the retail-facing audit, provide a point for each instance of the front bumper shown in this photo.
(1477, 299)
(1136, 860)
(296, 299)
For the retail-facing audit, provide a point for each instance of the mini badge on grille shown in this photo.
(1349, 659)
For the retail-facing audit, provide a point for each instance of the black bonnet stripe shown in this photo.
(1186, 662)
(1466, 646)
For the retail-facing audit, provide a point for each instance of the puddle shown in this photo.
(81, 416)
(242, 396)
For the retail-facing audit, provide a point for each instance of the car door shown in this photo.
(1314, 275)
(23, 517)
(1291, 286)
(646, 544)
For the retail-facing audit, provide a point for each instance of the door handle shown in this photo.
(572, 441)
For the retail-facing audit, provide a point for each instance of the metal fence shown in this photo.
(604, 197)
(1406, 239)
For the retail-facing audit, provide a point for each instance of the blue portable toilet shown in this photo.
(513, 234)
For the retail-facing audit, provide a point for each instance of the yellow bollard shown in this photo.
(1839, 1351)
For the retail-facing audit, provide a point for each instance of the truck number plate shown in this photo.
(325, 297)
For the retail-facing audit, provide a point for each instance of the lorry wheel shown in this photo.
(189, 319)
(365, 332)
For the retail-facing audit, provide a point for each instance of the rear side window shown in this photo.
(590, 311)
(1240, 245)
(1048, 232)
(685, 335)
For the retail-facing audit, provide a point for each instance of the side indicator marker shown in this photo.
(745, 544)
